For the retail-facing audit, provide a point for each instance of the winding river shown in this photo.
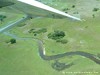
(43, 55)
(53, 57)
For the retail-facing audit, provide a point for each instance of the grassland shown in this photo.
(10, 16)
(22, 58)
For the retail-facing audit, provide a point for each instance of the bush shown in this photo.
(63, 41)
(60, 66)
(98, 55)
(13, 41)
(66, 12)
(31, 30)
(7, 41)
(42, 30)
(95, 9)
(38, 31)
(2, 17)
(56, 35)
(21, 25)
(73, 6)
(35, 34)
(76, 13)
(65, 9)
(93, 16)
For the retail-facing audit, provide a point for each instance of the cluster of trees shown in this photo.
(58, 36)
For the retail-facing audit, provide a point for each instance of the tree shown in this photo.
(2, 17)
(13, 41)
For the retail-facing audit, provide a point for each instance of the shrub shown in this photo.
(63, 41)
(95, 9)
(73, 6)
(58, 66)
(7, 41)
(66, 12)
(2, 17)
(35, 34)
(31, 30)
(93, 16)
(98, 55)
(13, 41)
(21, 25)
(76, 13)
(42, 30)
(65, 9)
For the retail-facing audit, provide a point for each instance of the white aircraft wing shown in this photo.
(33, 7)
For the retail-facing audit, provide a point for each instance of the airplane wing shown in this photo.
(33, 7)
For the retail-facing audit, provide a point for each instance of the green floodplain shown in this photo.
(22, 57)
